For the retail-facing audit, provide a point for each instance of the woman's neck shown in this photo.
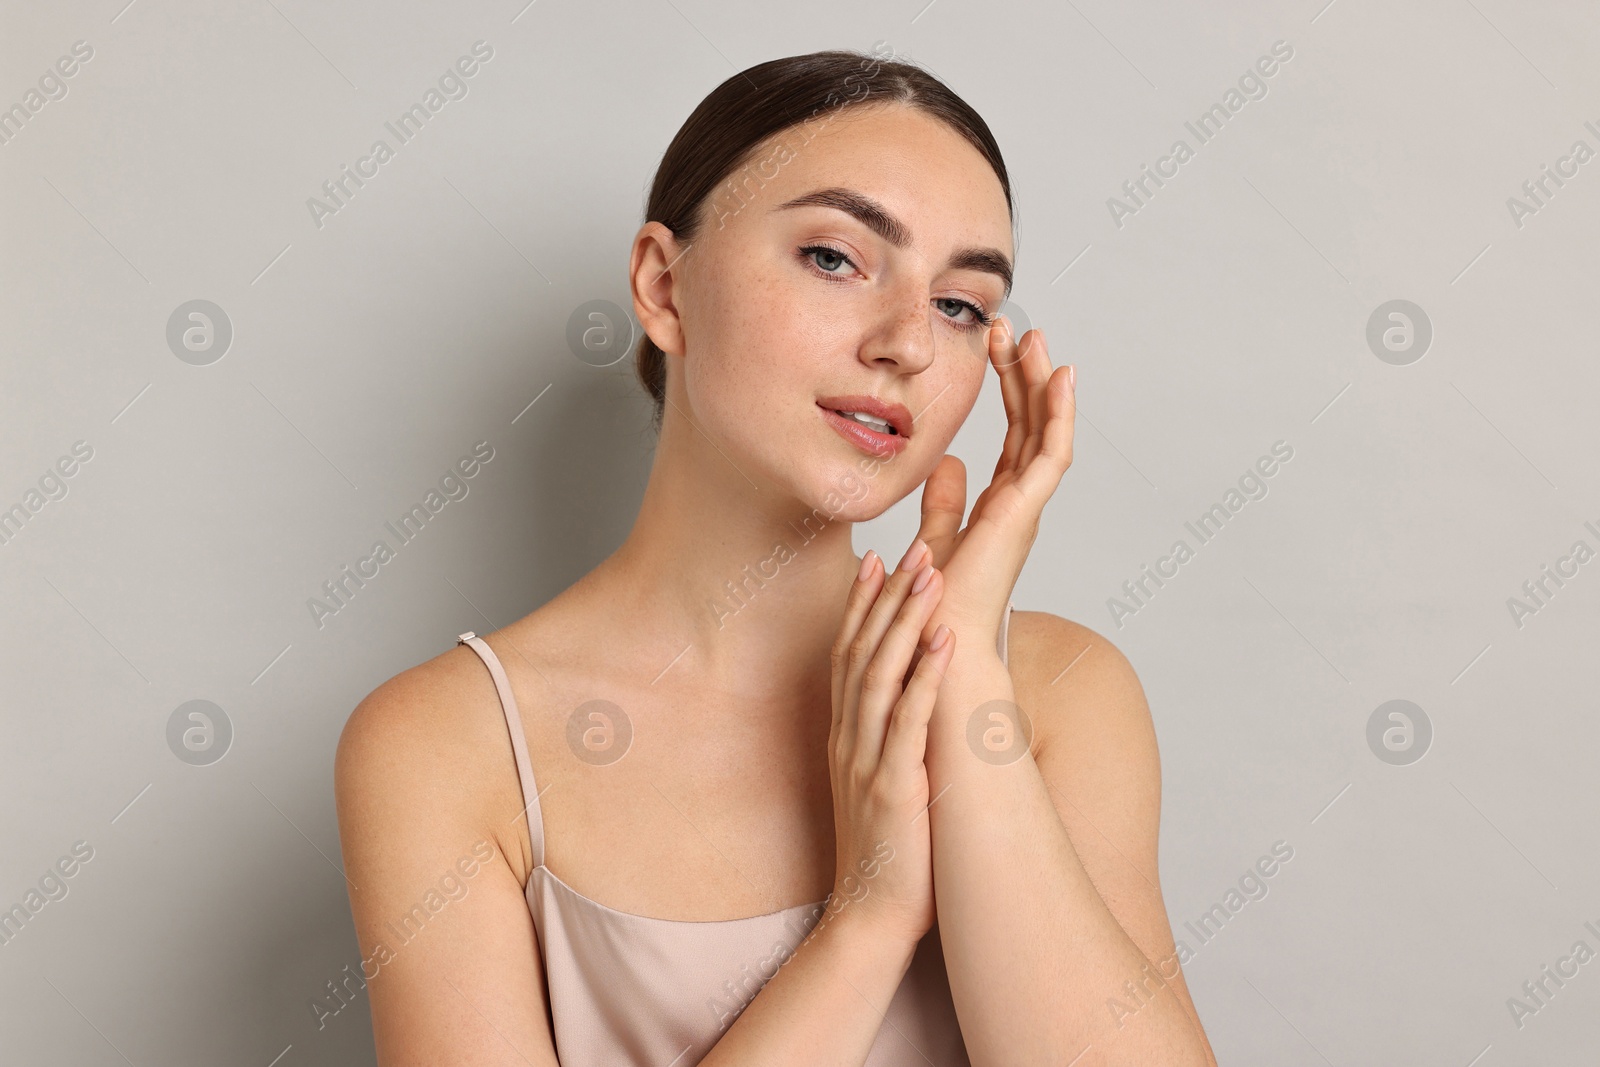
(749, 584)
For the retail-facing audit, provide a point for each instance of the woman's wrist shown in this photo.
(858, 930)
(976, 674)
(975, 712)
(979, 629)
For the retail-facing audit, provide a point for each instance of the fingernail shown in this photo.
(924, 576)
(940, 636)
(866, 565)
(913, 554)
(1072, 376)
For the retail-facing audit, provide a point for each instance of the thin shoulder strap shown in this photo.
(1005, 630)
(519, 744)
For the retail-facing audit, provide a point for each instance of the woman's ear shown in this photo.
(656, 254)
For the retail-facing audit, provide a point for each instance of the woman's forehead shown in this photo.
(923, 175)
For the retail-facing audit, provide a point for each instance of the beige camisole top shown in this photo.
(626, 989)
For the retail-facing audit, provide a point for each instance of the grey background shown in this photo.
(1229, 313)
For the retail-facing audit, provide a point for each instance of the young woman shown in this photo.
(626, 829)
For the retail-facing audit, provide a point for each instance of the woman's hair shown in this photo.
(738, 116)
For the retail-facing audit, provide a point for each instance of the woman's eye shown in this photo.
(978, 319)
(826, 259)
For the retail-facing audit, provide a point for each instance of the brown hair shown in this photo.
(738, 116)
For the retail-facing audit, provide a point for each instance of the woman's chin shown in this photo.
(847, 496)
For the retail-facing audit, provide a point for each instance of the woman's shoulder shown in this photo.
(422, 705)
(1068, 675)
(434, 705)
(428, 746)
(1038, 639)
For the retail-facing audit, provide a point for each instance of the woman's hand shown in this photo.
(883, 861)
(981, 562)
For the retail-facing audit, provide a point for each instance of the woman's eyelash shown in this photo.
(983, 317)
(805, 252)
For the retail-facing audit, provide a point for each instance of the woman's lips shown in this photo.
(870, 441)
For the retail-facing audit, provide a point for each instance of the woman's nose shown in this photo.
(903, 334)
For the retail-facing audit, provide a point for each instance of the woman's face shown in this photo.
(788, 311)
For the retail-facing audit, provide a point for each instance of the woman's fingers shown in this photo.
(1004, 354)
(1040, 401)
(862, 595)
(906, 743)
(1036, 370)
(1038, 480)
(1003, 343)
(862, 633)
(944, 505)
(885, 672)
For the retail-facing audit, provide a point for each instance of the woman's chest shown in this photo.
(715, 816)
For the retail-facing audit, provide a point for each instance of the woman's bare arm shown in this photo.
(1054, 929)
(447, 942)
(827, 1003)
(462, 983)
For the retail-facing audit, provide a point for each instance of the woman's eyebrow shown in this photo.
(874, 216)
